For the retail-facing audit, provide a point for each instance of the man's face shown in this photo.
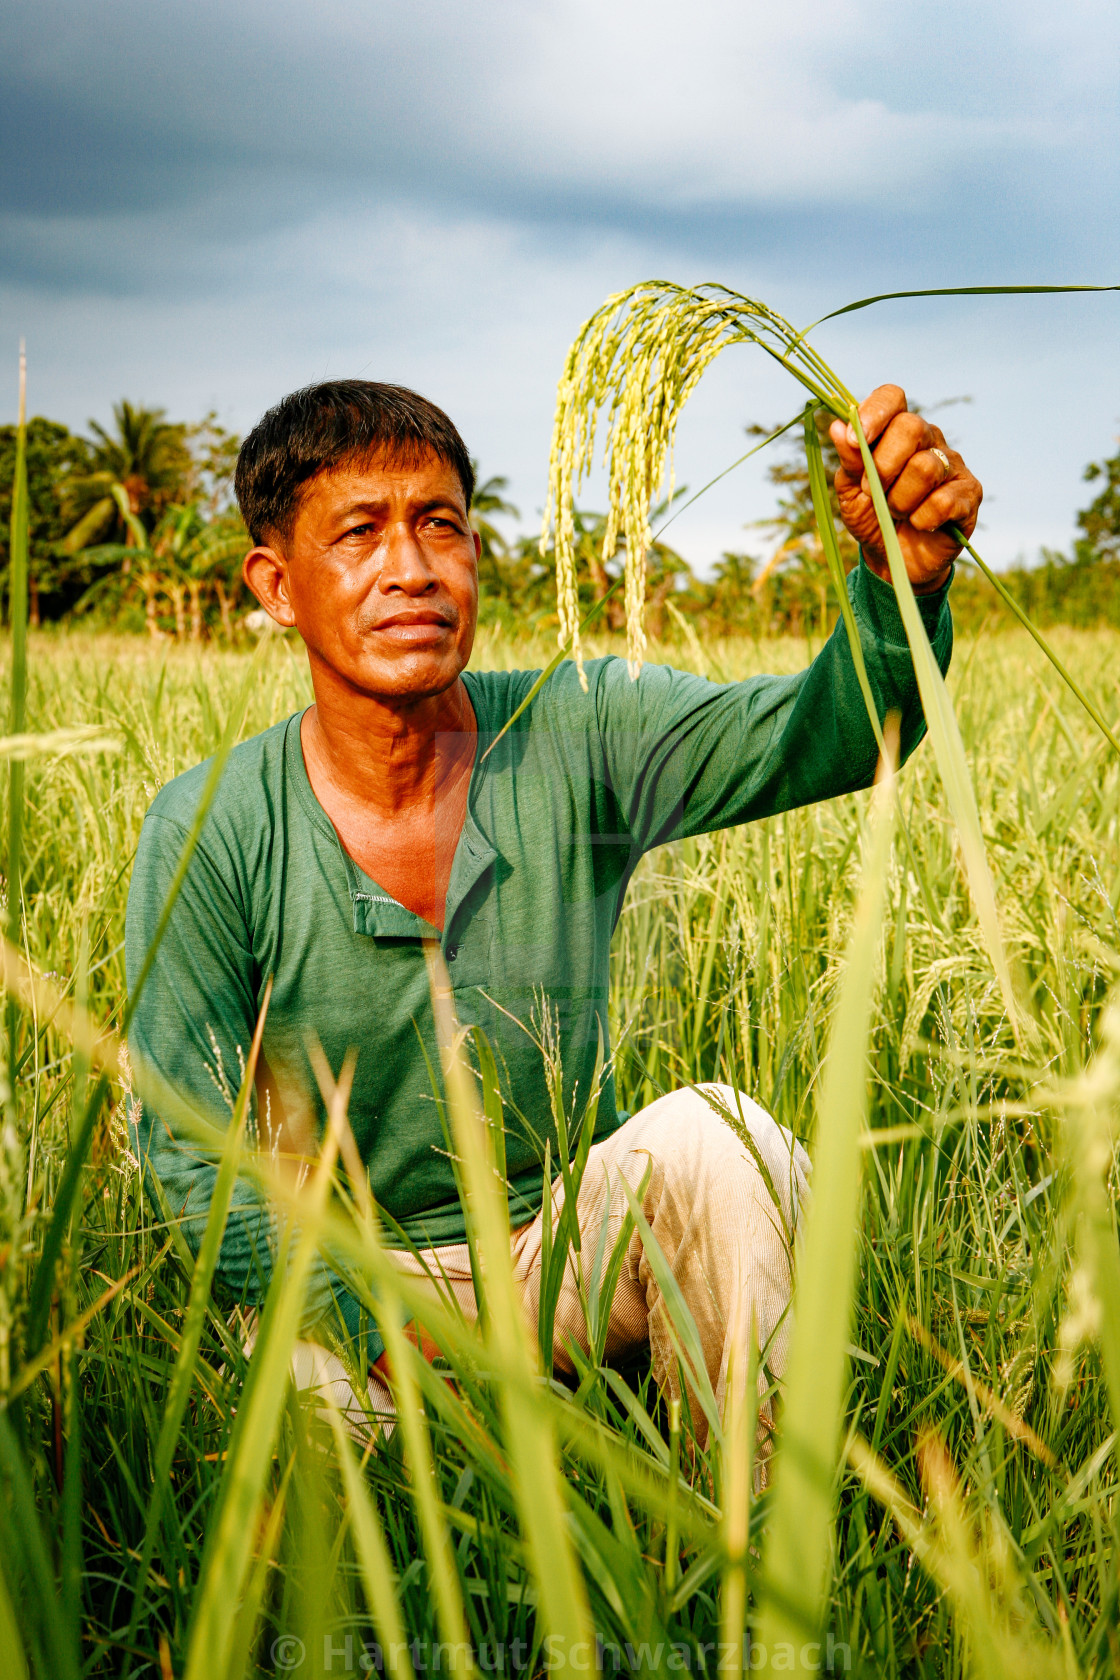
(379, 576)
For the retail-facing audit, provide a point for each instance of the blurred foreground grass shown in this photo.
(974, 1379)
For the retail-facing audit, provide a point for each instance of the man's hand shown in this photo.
(925, 492)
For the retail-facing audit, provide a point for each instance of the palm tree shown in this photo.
(140, 470)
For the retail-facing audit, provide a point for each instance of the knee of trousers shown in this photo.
(722, 1202)
(713, 1144)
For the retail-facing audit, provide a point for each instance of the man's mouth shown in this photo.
(414, 627)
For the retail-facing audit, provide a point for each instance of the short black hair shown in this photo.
(328, 425)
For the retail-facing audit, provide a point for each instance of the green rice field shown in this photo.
(943, 1497)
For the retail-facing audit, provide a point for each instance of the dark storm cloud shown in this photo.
(208, 203)
(563, 114)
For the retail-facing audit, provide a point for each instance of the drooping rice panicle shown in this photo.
(635, 363)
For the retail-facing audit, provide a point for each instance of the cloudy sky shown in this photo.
(205, 205)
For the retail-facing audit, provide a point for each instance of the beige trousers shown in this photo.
(722, 1212)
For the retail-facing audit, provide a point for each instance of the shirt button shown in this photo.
(452, 952)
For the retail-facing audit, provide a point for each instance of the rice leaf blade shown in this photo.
(945, 738)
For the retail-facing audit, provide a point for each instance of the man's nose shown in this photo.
(404, 565)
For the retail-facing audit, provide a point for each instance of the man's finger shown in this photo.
(906, 435)
(923, 473)
(957, 502)
(847, 448)
(877, 411)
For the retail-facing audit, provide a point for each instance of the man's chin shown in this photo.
(412, 676)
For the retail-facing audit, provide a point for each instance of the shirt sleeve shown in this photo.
(194, 1024)
(687, 756)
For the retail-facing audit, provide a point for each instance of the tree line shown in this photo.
(134, 527)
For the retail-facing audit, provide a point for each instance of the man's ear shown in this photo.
(266, 573)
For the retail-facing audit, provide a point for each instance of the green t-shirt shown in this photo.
(558, 816)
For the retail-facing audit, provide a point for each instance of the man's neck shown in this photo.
(386, 755)
(394, 780)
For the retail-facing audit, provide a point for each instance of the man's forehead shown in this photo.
(383, 477)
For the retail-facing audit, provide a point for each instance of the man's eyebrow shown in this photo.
(439, 502)
(366, 506)
(372, 505)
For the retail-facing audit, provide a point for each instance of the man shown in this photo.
(345, 837)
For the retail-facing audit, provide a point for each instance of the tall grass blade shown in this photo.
(798, 1543)
(245, 1629)
(822, 508)
(24, 1553)
(70, 1540)
(955, 291)
(17, 618)
(234, 1526)
(378, 1576)
(194, 1322)
(530, 1438)
(740, 1426)
(13, 1656)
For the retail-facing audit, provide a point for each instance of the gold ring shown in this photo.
(945, 462)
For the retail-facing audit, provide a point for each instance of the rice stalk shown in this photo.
(798, 1544)
(945, 738)
(635, 362)
(378, 1577)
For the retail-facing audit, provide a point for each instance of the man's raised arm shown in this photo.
(685, 756)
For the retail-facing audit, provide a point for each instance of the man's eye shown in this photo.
(359, 530)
